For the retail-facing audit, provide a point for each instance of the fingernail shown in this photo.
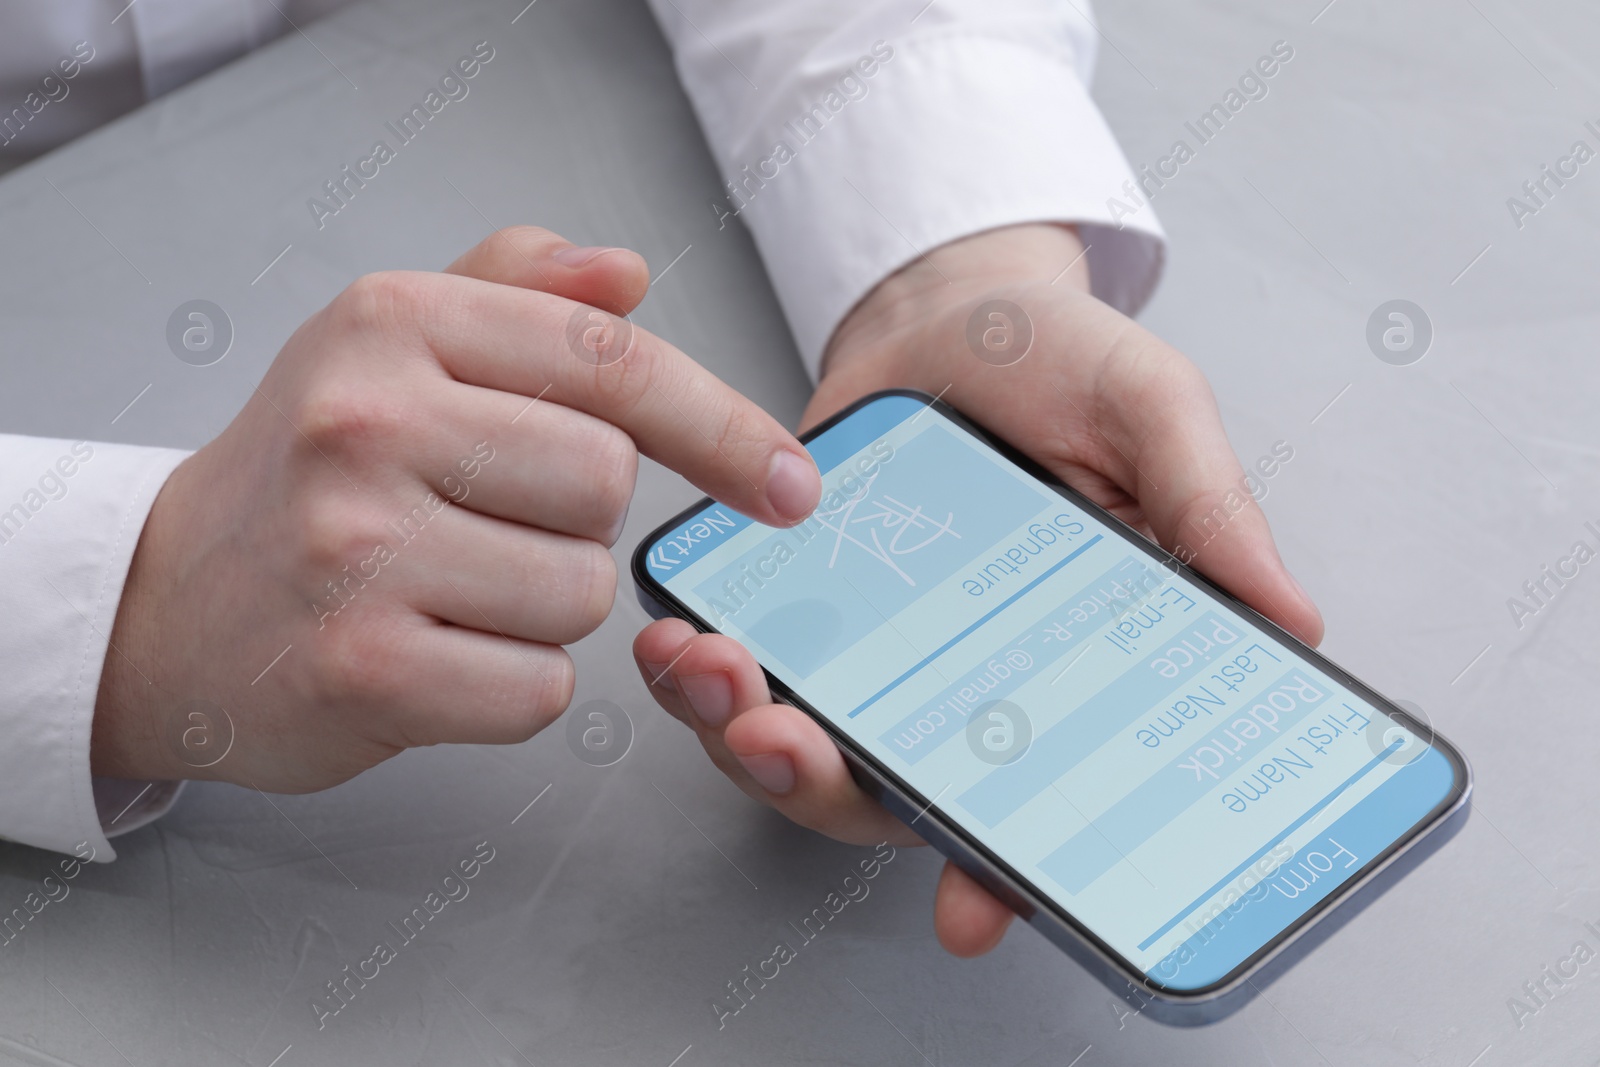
(576, 257)
(793, 485)
(659, 675)
(710, 695)
(773, 772)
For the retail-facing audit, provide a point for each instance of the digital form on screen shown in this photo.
(1178, 780)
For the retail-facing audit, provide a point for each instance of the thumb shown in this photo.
(530, 257)
(1200, 506)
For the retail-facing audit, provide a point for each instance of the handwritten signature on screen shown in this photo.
(885, 527)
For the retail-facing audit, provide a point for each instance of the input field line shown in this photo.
(997, 609)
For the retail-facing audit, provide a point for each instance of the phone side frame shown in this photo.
(1038, 909)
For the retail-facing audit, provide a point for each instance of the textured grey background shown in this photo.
(618, 905)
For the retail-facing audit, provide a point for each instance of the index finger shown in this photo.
(559, 351)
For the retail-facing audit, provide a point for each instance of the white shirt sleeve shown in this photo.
(855, 135)
(110, 56)
(70, 517)
(179, 40)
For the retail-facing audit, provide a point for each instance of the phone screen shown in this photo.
(1171, 772)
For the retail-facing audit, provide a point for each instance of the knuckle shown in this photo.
(381, 300)
(359, 665)
(335, 415)
(574, 587)
(737, 429)
(553, 685)
(594, 589)
(328, 533)
(1168, 373)
(610, 468)
(521, 239)
(622, 382)
(1188, 380)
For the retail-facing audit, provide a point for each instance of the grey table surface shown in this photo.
(1419, 500)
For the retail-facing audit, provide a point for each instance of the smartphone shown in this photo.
(1173, 789)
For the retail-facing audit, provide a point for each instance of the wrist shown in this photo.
(913, 297)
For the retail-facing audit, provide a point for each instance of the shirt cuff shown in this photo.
(70, 518)
(954, 136)
(123, 805)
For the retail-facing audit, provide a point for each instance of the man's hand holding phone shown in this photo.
(1099, 402)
